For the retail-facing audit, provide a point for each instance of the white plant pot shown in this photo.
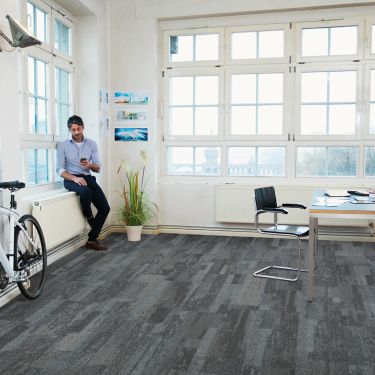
(134, 232)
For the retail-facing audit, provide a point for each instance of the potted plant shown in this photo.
(136, 208)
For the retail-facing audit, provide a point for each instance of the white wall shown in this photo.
(134, 58)
(134, 55)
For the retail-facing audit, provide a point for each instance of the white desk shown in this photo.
(345, 210)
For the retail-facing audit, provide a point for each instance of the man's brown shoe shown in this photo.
(94, 245)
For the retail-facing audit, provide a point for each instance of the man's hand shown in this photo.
(85, 164)
(79, 180)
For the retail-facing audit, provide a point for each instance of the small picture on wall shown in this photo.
(130, 97)
(131, 134)
(130, 115)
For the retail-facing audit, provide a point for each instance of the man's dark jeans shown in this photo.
(92, 193)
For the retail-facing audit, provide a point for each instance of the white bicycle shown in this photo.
(23, 259)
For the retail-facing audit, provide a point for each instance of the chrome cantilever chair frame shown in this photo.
(280, 230)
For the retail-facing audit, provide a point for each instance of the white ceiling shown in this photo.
(75, 7)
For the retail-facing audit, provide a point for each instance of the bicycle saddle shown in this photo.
(12, 185)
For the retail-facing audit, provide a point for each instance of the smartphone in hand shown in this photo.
(83, 159)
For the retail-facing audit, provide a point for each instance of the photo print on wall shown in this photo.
(131, 134)
(130, 97)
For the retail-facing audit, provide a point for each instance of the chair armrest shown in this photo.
(294, 205)
(271, 210)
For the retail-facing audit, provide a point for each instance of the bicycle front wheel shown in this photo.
(30, 256)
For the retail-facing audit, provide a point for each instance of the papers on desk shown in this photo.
(337, 193)
(362, 200)
(328, 201)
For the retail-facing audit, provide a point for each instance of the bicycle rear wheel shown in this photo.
(30, 257)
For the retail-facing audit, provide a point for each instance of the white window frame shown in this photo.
(45, 8)
(190, 73)
(359, 165)
(284, 69)
(193, 145)
(204, 31)
(366, 102)
(67, 22)
(327, 24)
(54, 59)
(369, 22)
(258, 28)
(310, 68)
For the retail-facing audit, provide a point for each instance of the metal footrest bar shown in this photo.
(259, 273)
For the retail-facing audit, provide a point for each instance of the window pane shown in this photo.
(370, 161)
(342, 86)
(206, 90)
(62, 86)
(181, 90)
(326, 161)
(270, 88)
(207, 47)
(271, 44)
(310, 161)
(243, 120)
(206, 121)
(314, 87)
(31, 74)
(342, 161)
(31, 167)
(30, 17)
(315, 42)
(343, 40)
(37, 166)
(207, 161)
(241, 161)
(372, 119)
(180, 160)
(181, 121)
(62, 112)
(313, 119)
(372, 87)
(342, 119)
(62, 37)
(244, 45)
(32, 125)
(41, 127)
(41, 27)
(243, 88)
(270, 119)
(271, 161)
(181, 48)
(41, 78)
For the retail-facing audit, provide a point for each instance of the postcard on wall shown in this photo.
(124, 115)
(131, 134)
(130, 97)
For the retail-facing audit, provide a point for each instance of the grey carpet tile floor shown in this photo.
(184, 304)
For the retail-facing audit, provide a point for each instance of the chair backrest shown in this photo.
(265, 197)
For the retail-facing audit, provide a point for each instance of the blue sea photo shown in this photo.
(131, 134)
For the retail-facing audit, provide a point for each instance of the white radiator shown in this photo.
(60, 217)
(235, 204)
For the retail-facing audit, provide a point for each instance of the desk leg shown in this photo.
(313, 228)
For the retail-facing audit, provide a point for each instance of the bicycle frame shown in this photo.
(7, 264)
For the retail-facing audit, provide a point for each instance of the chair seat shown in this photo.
(296, 230)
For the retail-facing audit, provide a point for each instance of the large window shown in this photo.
(48, 86)
(284, 101)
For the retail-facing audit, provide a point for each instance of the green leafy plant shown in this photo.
(136, 207)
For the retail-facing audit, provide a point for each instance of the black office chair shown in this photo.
(265, 202)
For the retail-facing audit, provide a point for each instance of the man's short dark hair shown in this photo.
(74, 120)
